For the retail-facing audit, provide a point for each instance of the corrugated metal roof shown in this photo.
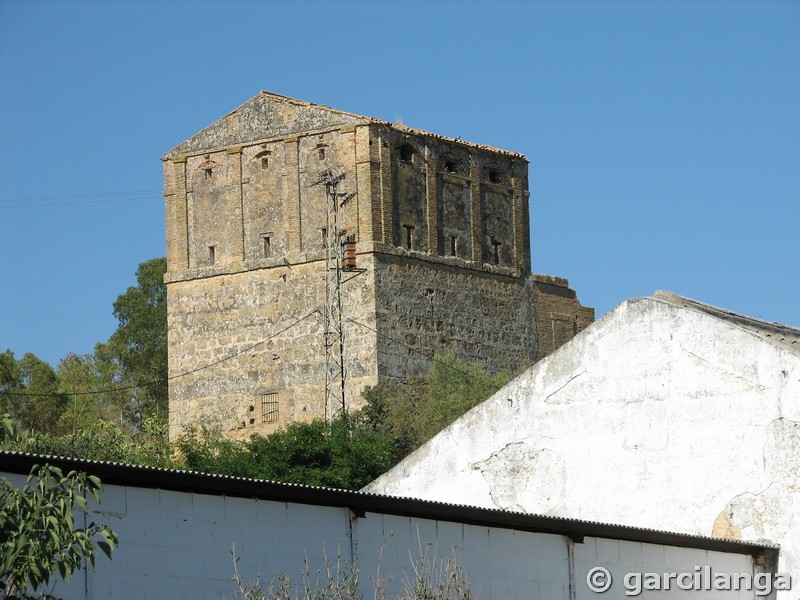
(362, 502)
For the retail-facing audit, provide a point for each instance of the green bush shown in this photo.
(342, 455)
(410, 414)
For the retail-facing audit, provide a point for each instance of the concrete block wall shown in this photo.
(182, 544)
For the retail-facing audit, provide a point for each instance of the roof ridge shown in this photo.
(374, 120)
(758, 326)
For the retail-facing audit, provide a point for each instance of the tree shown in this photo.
(410, 414)
(341, 456)
(139, 345)
(31, 394)
(38, 537)
(89, 385)
(10, 382)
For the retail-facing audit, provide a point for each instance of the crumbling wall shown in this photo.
(559, 314)
(427, 308)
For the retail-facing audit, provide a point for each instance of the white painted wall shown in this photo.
(178, 545)
(657, 416)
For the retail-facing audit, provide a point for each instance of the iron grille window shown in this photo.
(269, 408)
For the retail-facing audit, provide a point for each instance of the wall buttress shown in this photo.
(292, 195)
(475, 229)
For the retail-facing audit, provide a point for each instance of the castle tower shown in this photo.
(441, 232)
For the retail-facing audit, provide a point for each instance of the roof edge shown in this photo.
(172, 153)
(362, 502)
(779, 333)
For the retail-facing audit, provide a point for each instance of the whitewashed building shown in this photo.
(665, 413)
(177, 531)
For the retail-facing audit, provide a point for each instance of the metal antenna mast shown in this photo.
(335, 373)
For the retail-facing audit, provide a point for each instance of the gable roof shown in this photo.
(666, 412)
(269, 115)
(772, 331)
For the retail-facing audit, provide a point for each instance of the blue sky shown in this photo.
(664, 137)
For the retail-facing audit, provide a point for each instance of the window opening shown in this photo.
(495, 176)
(212, 254)
(263, 158)
(208, 173)
(496, 245)
(407, 153)
(266, 244)
(450, 166)
(453, 245)
(269, 408)
(324, 232)
(409, 236)
(321, 153)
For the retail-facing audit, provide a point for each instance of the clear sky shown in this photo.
(664, 137)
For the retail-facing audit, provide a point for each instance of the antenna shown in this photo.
(335, 372)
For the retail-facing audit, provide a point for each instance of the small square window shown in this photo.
(407, 153)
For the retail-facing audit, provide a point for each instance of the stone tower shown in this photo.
(442, 244)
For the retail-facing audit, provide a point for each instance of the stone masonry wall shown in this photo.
(559, 314)
(428, 307)
(443, 241)
(237, 338)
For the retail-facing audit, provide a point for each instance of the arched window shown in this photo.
(263, 158)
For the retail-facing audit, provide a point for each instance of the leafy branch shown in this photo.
(38, 537)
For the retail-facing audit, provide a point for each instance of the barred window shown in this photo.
(269, 408)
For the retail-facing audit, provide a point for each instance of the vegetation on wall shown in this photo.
(411, 414)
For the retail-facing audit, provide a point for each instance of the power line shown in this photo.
(162, 381)
(427, 353)
(67, 200)
(248, 349)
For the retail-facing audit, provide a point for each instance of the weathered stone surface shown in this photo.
(443, 260)
(561, 316)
